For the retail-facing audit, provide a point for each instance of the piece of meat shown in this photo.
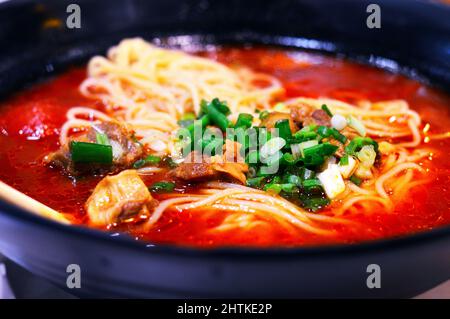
(320, 117)
(195, 171)
(273, 117)
(125, 150)
(197, 167)
(119, 197)
(300, 111)
(235, 170)
(304, 115)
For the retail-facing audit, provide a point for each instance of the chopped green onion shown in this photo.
(302, 136)
(152, 159)
(367, 155)
(305, 173)
(274, 159)
(357, 125)
(217, 117)
(309, 128)
(305, 145)
(82, 152)
(314, 204)
(149, 160)
(272, 146)
(273, 188)
(358, 142)
(275, 180)
(263, 115)
(252, 157)
(289, 188)
(324, 149)
(315, 155)
(331, 132)
(272, 164)
(244, 120)
(288, 159)
(294, 179)
(255, 182)
(308, 184)
(344, 160)
(221, 106)
(211, 147)
(355, 180)
(139, 164)
(327, 110)
(162, 187)
(102, 139)
(199, 124)
(284, 130)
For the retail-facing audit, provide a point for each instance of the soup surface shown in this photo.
(30, 123)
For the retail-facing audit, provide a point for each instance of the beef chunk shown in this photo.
(119, 197)
(197, 167)
(304, 114)
(125, 150)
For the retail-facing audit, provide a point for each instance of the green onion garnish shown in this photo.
(308, 184)
(252, 157)
(273, 188)
(294, 179)
(327, 110)
(315, 155)
(162, 187)
(221, 106)
(217, 117)
(355, 180)
(303, 136)
(263, 115)
(102, 139)
(149, 160)
(331, 132)
(289, 188)
(305, 173)
(344, 160)
(314, 204)
(284, 130)
(82, 152)
(358, 142)
(244, 120)
(255, 182)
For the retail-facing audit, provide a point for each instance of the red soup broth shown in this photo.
(30, 123)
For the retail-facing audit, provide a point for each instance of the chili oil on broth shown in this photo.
(30, 122)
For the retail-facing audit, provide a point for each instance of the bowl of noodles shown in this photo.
(194, 151)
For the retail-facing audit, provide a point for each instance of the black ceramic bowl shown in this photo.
(414, 38)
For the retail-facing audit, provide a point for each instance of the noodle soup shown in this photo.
(360, 153)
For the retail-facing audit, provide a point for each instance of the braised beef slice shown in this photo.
(304, 115)
(125, 151)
